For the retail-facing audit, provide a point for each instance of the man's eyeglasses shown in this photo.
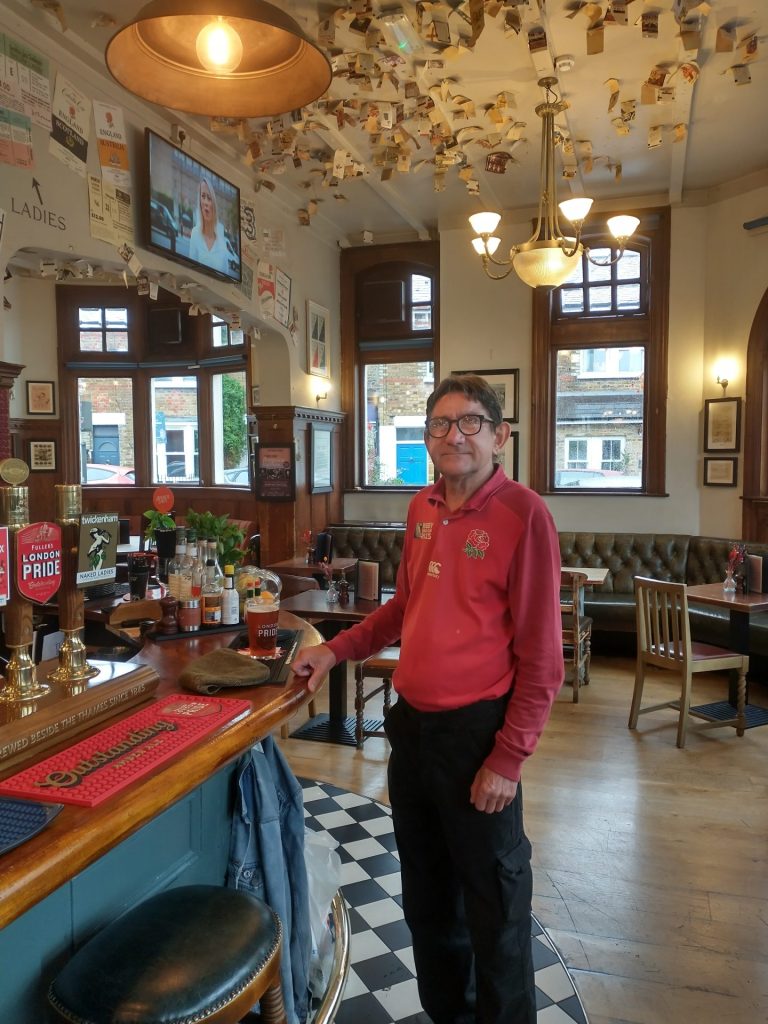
(439, 426)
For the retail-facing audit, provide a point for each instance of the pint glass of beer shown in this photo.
(261, 614)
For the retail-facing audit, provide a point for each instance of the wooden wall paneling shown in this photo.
(42, 497)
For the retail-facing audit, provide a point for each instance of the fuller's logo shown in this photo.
(38, 561)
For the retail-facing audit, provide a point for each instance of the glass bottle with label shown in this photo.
(196, 570)
(211, 598)
(176, 563)
(230, 600)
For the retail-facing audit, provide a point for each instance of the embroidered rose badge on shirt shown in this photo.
(477, 544)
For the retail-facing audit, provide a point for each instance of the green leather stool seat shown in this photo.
(199, 953)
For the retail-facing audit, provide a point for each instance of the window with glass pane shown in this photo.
(230, 436)
(604, 290)
(103, 329)
(224, 336)
(105, 406)
(175, 452)
(421, 302)
(395, 398)
(599, 414)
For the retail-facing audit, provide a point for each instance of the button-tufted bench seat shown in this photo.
(672, 557)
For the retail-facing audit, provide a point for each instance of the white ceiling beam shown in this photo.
(684, 96)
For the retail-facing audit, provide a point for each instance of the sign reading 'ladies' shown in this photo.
(38, 561)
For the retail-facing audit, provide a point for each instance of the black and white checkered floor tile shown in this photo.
(381, 988)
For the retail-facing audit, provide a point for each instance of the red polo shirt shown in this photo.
(477, 611)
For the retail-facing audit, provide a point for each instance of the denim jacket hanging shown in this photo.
(266, 857)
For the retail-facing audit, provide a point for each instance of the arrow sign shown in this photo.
(36, 187)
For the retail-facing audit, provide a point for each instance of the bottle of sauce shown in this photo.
(230, 600)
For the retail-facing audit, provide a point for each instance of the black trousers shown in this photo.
(466, 875)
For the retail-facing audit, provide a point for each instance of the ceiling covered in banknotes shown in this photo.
(430, 114)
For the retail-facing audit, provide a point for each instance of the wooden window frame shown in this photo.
(650, 329)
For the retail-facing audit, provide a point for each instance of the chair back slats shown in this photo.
(663, 629)
(576, 627)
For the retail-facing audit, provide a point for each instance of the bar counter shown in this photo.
(80, 836)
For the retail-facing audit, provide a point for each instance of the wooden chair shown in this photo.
(664, 641)
(378, 666)
(577, 629)
(297, 585)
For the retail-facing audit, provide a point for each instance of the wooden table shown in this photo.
(299, 566)
(596, 575)
(331, 619)
(740, 607)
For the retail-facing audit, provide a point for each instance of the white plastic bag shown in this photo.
(324, 877)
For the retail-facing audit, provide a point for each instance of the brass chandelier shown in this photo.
(550, 255)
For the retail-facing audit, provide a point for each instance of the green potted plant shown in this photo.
(157, 521)
(228, 537)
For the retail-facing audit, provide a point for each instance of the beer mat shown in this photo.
(96, 768)
(286, 644)
(22, 819)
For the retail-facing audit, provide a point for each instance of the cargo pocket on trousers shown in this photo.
(516, 881)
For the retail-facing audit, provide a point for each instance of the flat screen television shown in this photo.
(192, 213)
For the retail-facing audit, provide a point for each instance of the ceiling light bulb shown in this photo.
(219, 48)
(623, 226)
(486, 247)
(484, 223)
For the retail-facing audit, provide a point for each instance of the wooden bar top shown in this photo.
(78, 836)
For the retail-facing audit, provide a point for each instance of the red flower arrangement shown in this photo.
(736, 556)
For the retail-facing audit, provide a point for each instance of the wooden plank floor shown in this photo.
(650, 866)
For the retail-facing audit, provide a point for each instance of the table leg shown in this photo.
(335, 727)
(738, 640)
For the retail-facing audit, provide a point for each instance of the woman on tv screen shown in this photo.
(207, 242)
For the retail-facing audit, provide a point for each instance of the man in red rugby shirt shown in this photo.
(477, 613)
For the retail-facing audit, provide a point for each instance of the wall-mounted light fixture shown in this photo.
(320, 396)
(229, 58)
(725, 370)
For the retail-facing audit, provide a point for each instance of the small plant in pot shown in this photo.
(160, 532)
(228, 537)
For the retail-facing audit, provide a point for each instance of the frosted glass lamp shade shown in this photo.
(575, 210)
(545, 265)
(623, 226)
(486, 247)
(484, 223)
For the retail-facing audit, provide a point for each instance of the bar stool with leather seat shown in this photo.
(378, 666)
(200, 953)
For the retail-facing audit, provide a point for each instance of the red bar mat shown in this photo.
(98, 767)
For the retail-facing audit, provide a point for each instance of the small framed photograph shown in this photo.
(41, 398)
(275, 471)
(255, 394)
(42, 456)
(509, 456)
(721, 472)
(368, 583)
(506, 384)
(320, 459)
(722, 425)
(318, 340)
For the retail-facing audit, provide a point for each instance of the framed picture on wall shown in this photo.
(320, 459)
(318, 340)
(721, 472)
(722, 425)
(42, 456)
(506, 384)
(509, 456)
(41, 398)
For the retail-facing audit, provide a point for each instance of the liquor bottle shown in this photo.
(211, 597)
(213, 552)
(195, 570)
(230, 601)
(175, 564)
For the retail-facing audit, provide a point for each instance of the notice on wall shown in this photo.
(25, 81)
(70, 118)
(16, 139)
(109, 209)
(112, 144)
(265, 283)
(96, 557)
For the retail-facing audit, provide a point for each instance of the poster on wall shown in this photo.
(265, 283)
(112, 144)
(25, 81)
(70, 118)
(16, 139)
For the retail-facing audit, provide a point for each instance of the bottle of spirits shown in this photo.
(196, 570)
(211, 598)
(213, 552)
(175, 564)
(230, 601)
